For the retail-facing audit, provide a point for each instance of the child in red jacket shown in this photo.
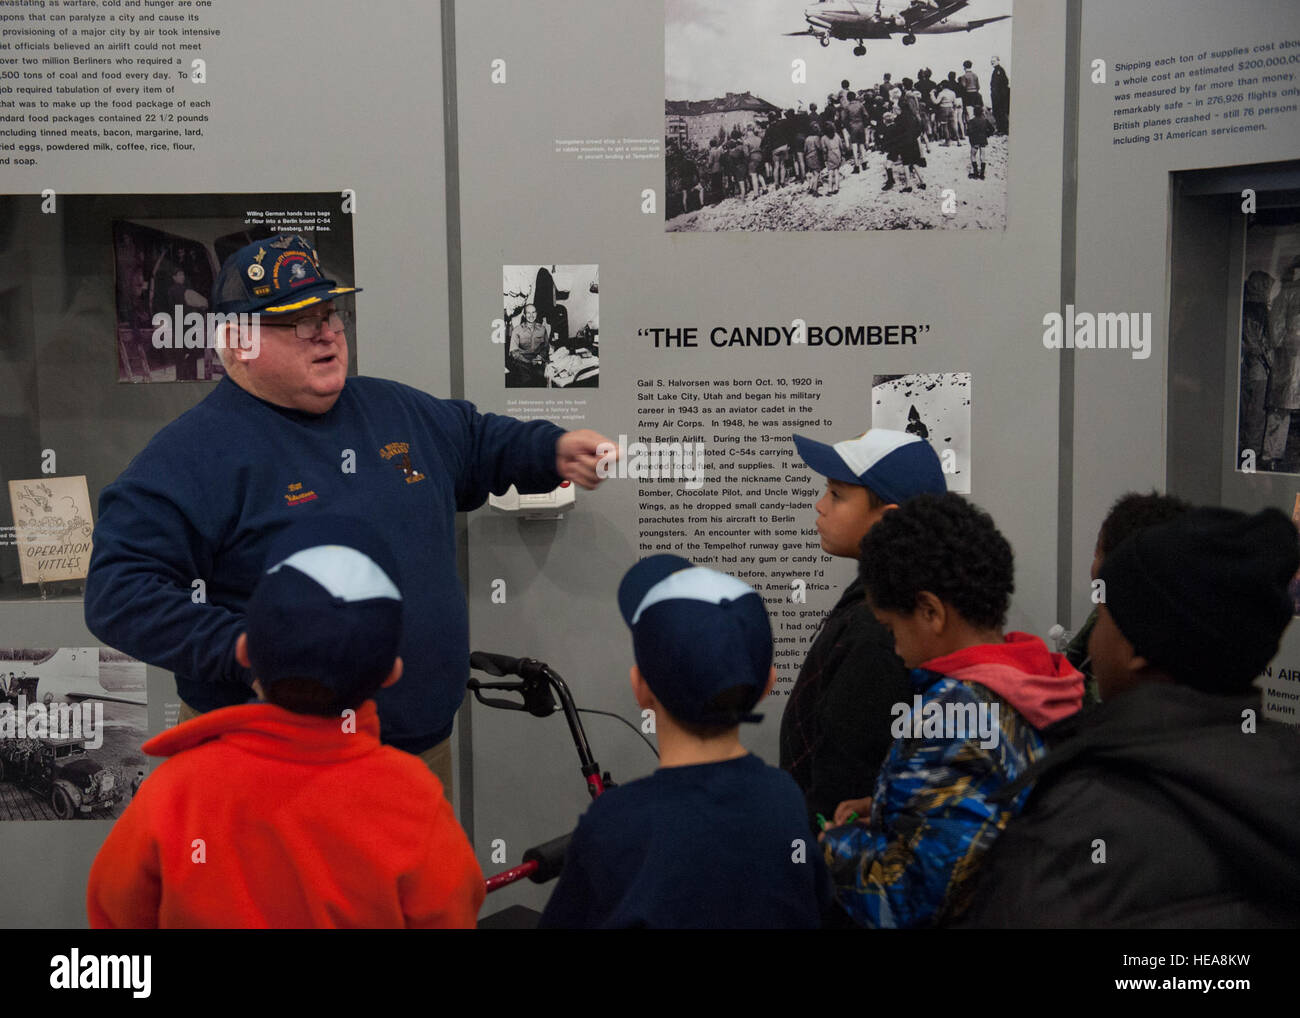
(290, 813)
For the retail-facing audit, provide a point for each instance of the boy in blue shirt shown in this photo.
(715, 838)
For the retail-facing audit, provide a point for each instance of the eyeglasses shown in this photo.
(309, 328)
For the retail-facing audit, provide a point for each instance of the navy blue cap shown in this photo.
(277, 276)
(893, 464)
(696, 633)
(326, 608)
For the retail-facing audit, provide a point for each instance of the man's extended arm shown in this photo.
(497, 451)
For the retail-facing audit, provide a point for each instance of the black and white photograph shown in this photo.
(1293, 588)
(552, 326)
(165, 269)
(837, 114)
(1268, 393)
(935, 407)
(157, 272)
(72, 721)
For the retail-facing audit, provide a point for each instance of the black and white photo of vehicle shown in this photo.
(59, 772)
(864, 21)
(72, 721)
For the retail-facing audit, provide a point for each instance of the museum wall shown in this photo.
(292, 114)
(683, 296)
(1163, 214)
(482, 167)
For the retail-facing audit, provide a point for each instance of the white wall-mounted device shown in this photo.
(546, 505)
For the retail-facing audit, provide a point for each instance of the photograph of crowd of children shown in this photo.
(767, 130)
(1269, 380)
(552, 318)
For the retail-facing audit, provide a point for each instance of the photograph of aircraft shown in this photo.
(763, 132)
(863, 21)
(71, 674)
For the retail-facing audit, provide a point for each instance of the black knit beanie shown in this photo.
(1204, 596)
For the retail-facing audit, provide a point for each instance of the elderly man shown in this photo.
(183, 532)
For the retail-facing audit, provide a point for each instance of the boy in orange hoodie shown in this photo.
(289, 813)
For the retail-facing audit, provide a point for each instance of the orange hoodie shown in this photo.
(267, 818)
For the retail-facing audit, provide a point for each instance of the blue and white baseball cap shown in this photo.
(697, 633)
(893, 464)
(326, 608)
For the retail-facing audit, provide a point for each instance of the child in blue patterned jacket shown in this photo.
(939, 576)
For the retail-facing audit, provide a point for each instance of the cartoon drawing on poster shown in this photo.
(885, 116)
(72, 721)
(1268, 383)
(552, 318)
(935, 407)
(52, 527)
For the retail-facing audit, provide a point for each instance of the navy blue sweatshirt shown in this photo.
(706, 846)
(211, 490)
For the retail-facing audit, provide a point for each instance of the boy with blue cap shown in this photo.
(836, 728)
(715, 838)
(290, 813)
